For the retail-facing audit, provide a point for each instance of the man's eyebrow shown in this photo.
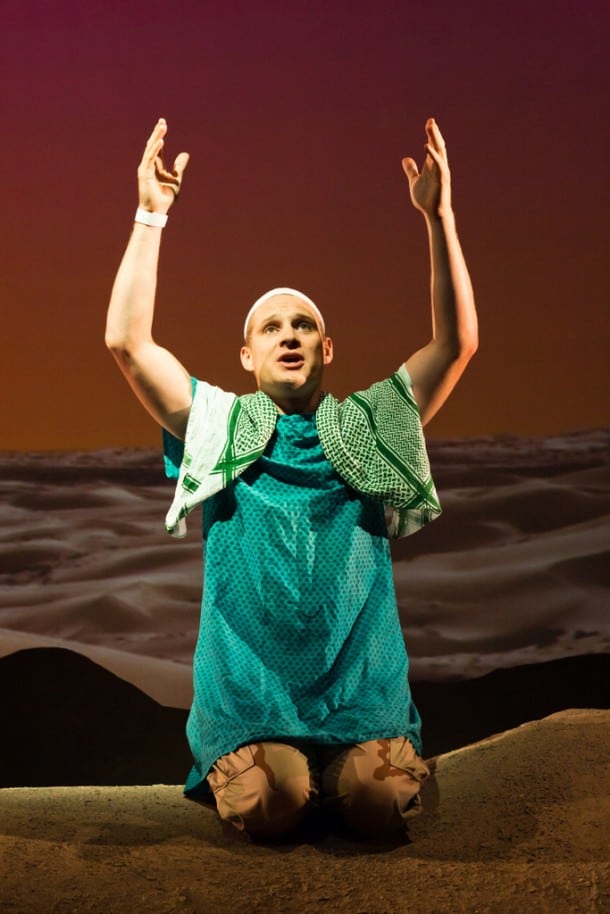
(258, 323)
(299, 316)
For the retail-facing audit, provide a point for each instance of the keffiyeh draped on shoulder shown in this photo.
(373, 439)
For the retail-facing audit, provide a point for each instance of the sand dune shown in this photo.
(65, 721)
(165, 681)
(515, 823)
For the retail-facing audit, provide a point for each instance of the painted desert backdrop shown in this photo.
(514, 574)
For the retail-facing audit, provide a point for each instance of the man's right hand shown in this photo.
(158, 379)
(158, 187)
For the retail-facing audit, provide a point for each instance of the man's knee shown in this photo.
(264, 788)
(375, 785)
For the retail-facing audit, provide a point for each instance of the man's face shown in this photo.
(287, 352)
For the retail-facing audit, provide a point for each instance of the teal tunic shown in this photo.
(299, 635)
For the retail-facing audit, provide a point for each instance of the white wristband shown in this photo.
(158, 220)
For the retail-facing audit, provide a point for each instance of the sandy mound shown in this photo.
(515, 823)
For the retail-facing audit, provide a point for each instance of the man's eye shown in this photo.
(269, 328)
(305, 325)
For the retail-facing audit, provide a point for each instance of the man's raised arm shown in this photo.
(158, 379)
(436, 368)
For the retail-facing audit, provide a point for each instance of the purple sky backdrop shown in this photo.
(296, 116)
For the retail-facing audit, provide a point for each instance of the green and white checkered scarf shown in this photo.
(373, 439)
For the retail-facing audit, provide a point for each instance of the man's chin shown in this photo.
(294, 387)
(287, 381)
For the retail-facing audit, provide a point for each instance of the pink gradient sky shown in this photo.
(296, 116)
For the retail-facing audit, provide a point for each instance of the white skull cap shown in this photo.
(284, 290)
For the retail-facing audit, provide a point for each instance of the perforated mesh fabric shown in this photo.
(299, 629)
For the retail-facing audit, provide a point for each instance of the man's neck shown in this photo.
(289, 405)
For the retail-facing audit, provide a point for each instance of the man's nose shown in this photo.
(289, 337)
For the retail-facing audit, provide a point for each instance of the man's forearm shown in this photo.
(454, 319)
(131, 308)
(436, 368)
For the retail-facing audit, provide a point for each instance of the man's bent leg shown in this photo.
(264, 788)
(374, 785)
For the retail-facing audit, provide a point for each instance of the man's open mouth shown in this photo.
(291, 358)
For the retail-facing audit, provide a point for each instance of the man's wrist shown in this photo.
(145, 217)
(444, 216)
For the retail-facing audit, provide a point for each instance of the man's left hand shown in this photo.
(431, 188)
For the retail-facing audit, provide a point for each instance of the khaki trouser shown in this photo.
(267, 788)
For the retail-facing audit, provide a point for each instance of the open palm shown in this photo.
(157, 186)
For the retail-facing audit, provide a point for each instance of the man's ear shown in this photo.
(246, 358)
(328, 350)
